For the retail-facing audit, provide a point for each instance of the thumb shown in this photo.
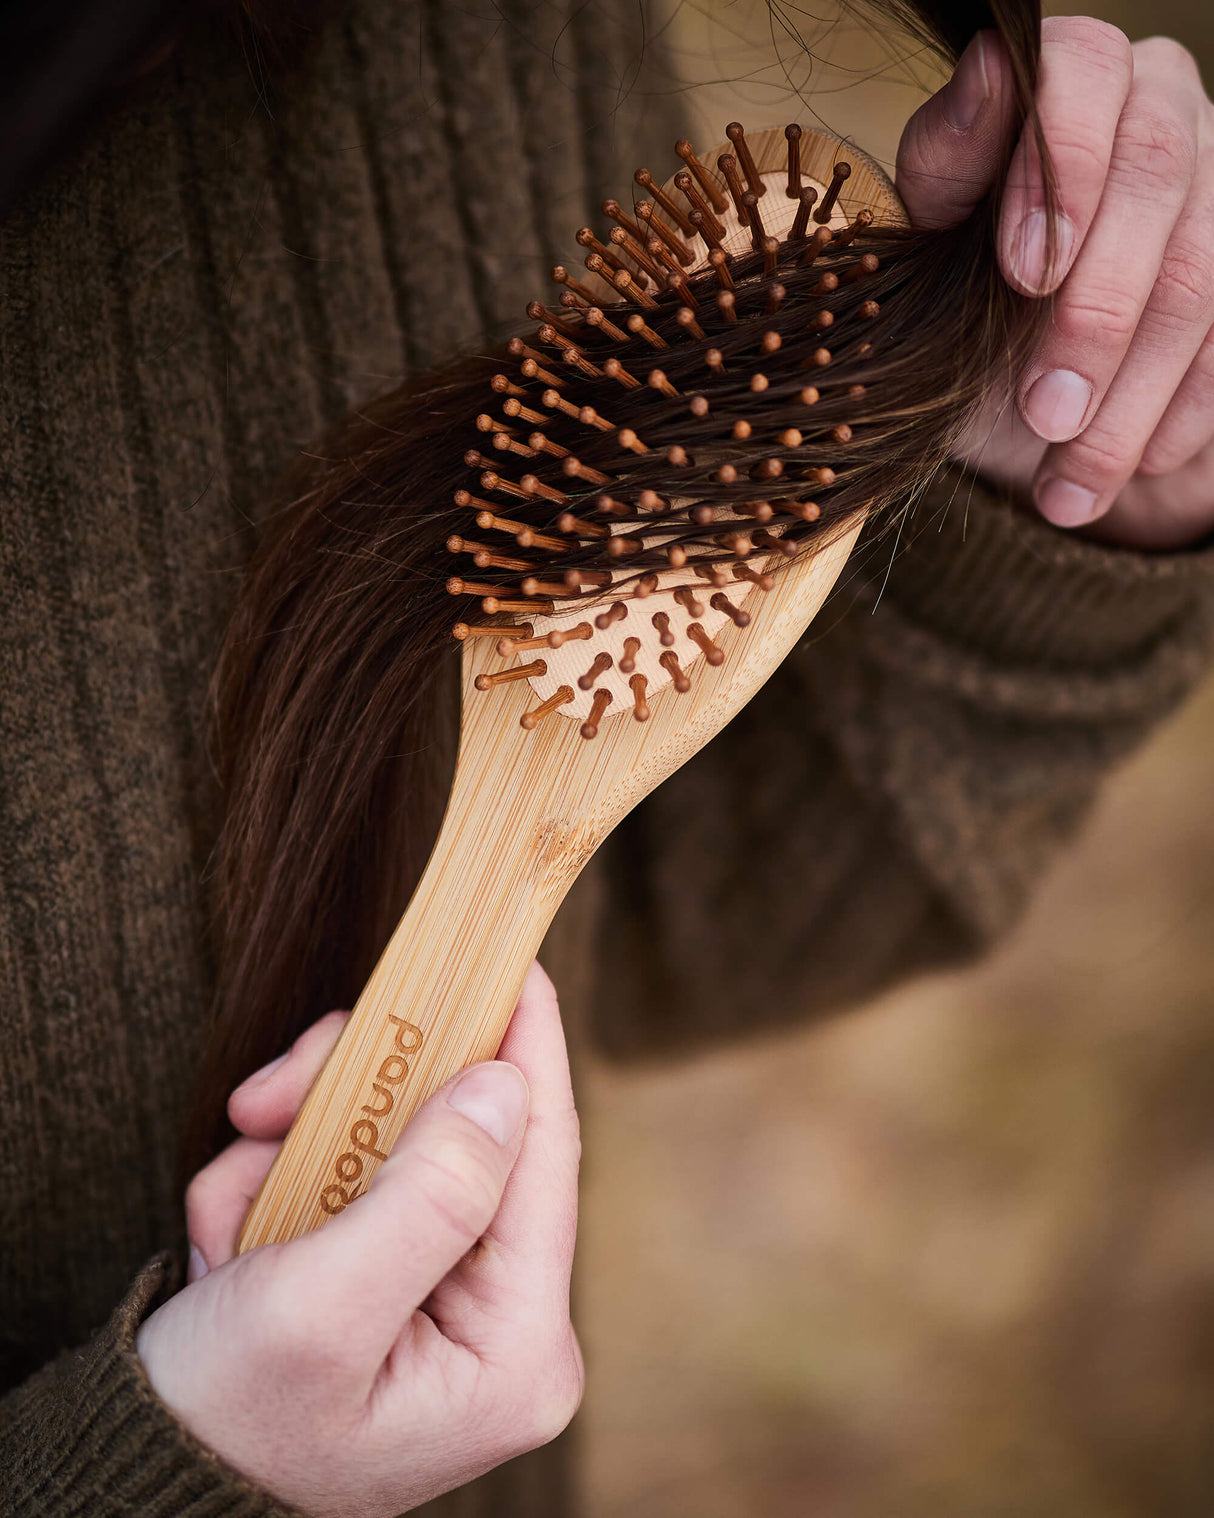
(952, 146)
(426, 1207)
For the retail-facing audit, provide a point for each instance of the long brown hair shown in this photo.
(333, 697)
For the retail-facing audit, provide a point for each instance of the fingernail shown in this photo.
(969, 88)
(197, 1267)
(1065, 504)
(1057, 404)
(1029, 256)
(494, 1097)
(265, 1072)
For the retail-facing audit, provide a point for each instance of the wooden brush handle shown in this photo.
(440, 999)
(527, 810)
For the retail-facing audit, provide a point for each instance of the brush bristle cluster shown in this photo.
(680, 417)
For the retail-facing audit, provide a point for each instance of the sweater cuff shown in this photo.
(981, 574)
(88, 1435)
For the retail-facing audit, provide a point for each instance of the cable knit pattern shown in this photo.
(223, 265)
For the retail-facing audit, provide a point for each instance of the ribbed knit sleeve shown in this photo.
(86, 1437)
(887, 802)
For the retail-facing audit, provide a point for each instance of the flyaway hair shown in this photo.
(863, 356)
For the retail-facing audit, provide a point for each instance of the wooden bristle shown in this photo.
(491, 605)
(737, 135)
(505, 676)
(817, 244)
(541, 443)
(484, 557)
(800, 224)
(675, 213)
(763, 581)
(537, 715)
(533, 370)
(596, 319)
(508, 646)
(687, 185)
(706, 228)
(684, 470)
(721, 602)
(765, 539)
(641, 328)
(567, 522)
(616, 612)
(650, 266)
(515, 408)
(728, 166)
(758, 232)
(648, 217)
(534, 587)
(670, 663)
(686, 597)
(522, 533)
(540, 313)
(613, 209)
(562, 276)
(578, 634)
(867, 264)
(602, 700)
(711, 652)
(614, 370)
(841, 175)
(863, 221)
(793, 135)
(719, 260)
(516, 634)
(601, 664)
(575, 469)
(706, 182)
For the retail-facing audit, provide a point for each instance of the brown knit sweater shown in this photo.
(210, 279)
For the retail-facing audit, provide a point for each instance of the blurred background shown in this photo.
(953, 1254)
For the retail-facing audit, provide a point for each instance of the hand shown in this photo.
(1116, 406)
(423, 1335)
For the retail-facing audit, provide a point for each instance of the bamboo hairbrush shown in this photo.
(612, 627)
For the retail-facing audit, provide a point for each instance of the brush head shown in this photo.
(681, 425)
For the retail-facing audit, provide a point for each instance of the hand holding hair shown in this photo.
(423, 1336)
(1116, 421)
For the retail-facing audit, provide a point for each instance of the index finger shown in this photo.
(1087, 67)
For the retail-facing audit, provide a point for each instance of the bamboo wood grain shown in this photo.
(527, 810)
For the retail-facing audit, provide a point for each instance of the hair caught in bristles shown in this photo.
(810, 378)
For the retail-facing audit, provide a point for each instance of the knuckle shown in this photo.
(1185, 289)
(1156, 148)
(1169, 56)
(1100, 319)
(1100, 457)
(1080, 153)
(1104, 45)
